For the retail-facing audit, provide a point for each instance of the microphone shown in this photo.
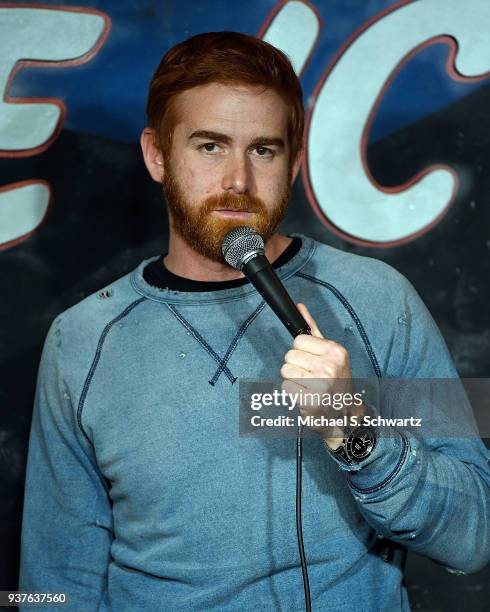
(243, 249)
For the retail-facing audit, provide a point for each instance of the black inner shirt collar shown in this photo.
(157, 275)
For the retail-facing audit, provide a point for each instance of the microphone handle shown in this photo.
(260, 273)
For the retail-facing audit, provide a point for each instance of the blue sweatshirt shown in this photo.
(142, 496)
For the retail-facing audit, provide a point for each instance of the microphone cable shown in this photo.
(299, 524)
(299, 521)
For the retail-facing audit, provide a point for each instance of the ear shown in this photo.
(151, 154)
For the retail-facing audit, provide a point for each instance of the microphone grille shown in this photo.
(239, 243)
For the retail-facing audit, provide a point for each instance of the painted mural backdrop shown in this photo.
(396, 167)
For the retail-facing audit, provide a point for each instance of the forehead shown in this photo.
(236, 109)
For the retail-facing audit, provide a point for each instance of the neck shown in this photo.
(184, 261)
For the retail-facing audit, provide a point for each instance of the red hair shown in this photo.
(228, 58)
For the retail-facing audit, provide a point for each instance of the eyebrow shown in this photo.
(217, 137)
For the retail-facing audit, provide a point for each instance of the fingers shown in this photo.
(291, 371)
(292, 387)
(310, 320)
(316, 366)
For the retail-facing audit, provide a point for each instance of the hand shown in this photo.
(323, 362)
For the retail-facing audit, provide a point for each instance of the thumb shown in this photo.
(310, 320)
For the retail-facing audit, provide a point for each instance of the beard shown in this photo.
(203, 231)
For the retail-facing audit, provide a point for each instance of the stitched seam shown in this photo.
(197, 336)
(353, 314)
(389, 478)
(235, 341)
(406, 347)
(95, 362)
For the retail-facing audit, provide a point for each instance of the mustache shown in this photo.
(238, 202)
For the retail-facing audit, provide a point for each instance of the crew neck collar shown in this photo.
(171, 296)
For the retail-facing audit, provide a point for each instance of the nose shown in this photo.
(237, 174)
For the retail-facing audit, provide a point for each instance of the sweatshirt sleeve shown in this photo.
(67, 517)
(429, 494)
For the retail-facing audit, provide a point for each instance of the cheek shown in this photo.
(273, 184)
(196, 183)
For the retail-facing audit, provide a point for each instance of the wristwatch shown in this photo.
(357, 445)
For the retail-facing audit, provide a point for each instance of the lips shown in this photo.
(232, 210)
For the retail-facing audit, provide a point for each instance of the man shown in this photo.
(140, 492)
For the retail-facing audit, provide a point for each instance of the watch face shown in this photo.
(360, 444)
